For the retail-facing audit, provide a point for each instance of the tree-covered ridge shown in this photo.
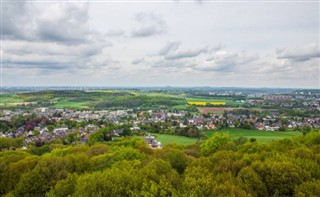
(217, 167)
(91, 99)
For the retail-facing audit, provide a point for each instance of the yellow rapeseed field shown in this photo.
(202, 103)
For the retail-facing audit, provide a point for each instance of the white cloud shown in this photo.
(149, 24)
(115, 32)
(170, 47)
(304, 53)
(138, 61)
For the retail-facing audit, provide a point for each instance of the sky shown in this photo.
(160, 43)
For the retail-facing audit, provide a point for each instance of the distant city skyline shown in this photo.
(145, 44)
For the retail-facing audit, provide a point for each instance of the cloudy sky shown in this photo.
(177, 43)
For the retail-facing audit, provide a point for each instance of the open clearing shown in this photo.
(260, 136)
(171, 139)
(9, 98)
(66, 104)
(180, 107)
(166, 139)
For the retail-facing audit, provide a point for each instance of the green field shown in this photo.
(260, 136)
(9, 98)
(68, 104)
(166, 139)
(171, 139)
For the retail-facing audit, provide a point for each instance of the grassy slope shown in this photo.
(9, 98)
(166, 139)
(68, 104)
(261, 136)
(171, 139)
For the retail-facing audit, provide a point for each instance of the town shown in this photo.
(43, 125)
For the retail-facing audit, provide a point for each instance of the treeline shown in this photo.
(218, 166)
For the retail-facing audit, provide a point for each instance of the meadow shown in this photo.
(9, 98)
(235, 133)
(69, 104)
(166, 139)
(260, 136)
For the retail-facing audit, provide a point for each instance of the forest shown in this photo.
(218, 166)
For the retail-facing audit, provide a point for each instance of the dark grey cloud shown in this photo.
(54, 55)
(16, 23)
(70, 24)
(64, 22)
(24, 48)
(52, 36)
(149, 24)
(299, 54)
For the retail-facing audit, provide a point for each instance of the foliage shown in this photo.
(217, 167)
(216, 142)
(6, 143)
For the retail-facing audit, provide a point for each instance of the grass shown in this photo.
(260, 136)
(66, 104)
(9, 98)
(171, 139)
(180, 107)
(166, 139)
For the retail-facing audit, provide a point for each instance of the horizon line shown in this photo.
(168, 86)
